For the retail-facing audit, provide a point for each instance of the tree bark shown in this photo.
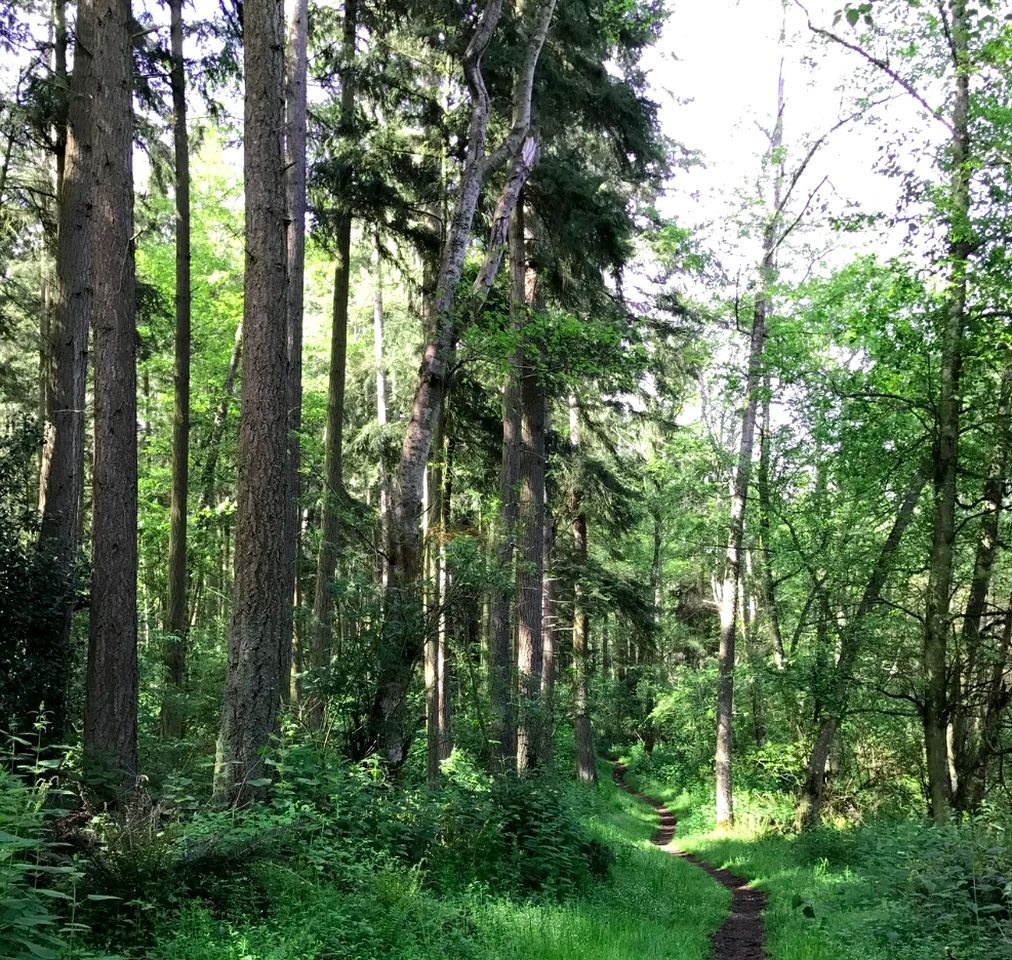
(936, 621)
(61, 471)
(110, 712)
(401, 646)
(253, 681)
(530, 510)
(333, 480)
(176, 618)
(586, 768)
(295, 187)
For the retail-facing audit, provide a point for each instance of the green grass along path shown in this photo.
(740, 937)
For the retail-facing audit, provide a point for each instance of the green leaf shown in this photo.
(853, 15)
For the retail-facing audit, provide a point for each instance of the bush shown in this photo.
(40, 896)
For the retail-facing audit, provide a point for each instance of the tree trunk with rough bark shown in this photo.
(61, 470)
(110, 712)
(176, 618)
(257, 643)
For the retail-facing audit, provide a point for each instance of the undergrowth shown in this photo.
(886, 887)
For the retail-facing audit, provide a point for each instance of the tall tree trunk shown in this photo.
(501, 670)
(936, 620)
(966, 749)
(176, 619)
(402, 647)
(549, 655)
(768, 584)
(851, 639)
(110, 712)
(333, 473)
(530, 509)
(61, 472)
(746, 604)
(257, 638)
(586, 768)
(450, 603)
(295, 188)
(732, 564)
(772, 236)
(379, 366)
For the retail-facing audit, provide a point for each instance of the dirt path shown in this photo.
(740, 937)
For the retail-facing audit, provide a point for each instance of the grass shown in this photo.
(800, 921)
(872, 891)
(652, 907)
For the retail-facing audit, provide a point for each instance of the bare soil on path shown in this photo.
(740, 937)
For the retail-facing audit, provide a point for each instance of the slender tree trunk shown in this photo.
(549, 664)
(851, 640)
(768, 586)
(379, 365)
(176, 618)
(110, 712)
(746, 604)
(257, 638)
(936, 620)
(501, 673)
(974, 781)
(208, 475)
(530, 510)
(743, 472)
(333, 479)
(445, 577)
(732, 568)
(966, 750)
(586, 768)
(295, 188)
(402, 645)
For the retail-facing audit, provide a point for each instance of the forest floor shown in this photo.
(740, 936)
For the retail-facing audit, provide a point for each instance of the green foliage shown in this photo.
(41, 887)
(33, 664)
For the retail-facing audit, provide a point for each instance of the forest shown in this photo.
(493, 480)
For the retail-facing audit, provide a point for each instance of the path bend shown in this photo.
(740, 937)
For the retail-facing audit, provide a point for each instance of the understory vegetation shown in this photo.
(880, 884)
(410, 407)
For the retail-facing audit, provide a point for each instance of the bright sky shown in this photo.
(715, 75)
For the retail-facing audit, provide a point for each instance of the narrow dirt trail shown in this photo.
(740, 937)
